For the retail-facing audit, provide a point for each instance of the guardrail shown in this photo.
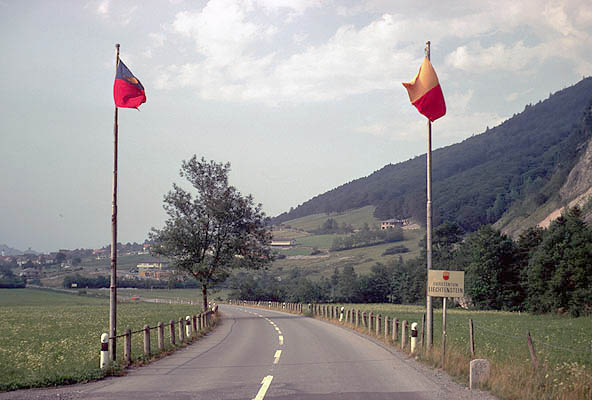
(184, 330)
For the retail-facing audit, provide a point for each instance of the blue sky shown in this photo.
(300, 96)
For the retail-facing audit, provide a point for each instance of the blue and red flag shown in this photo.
(128, 92)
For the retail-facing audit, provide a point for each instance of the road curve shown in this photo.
(264, 355)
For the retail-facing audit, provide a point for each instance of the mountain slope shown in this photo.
(518, 165)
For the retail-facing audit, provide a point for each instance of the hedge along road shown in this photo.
(263, 354)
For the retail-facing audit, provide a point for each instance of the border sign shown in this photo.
(446, 283)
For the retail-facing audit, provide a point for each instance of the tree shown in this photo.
(493, 275)
(214, 230)
(559, 270)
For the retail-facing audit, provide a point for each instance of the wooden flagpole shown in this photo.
(429, 310)
(113, 287)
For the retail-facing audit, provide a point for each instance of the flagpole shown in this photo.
(429, 309)
(113, 287)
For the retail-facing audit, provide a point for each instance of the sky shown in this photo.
(300, 96)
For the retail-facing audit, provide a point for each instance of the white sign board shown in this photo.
(446, 283)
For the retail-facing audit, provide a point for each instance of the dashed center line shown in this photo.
(278, 353)
(281, 340)
(264, 386)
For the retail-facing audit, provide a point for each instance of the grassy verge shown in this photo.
(51, 338)
(565, 366)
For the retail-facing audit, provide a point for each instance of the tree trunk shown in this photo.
(204, 294)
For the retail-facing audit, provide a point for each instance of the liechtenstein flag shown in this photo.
(128, 92)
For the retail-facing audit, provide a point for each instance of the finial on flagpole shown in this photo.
(427, 50)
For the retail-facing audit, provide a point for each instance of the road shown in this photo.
(263, 355)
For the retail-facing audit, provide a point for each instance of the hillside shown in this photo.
(515, 169)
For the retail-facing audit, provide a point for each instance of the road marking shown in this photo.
(281, 340)
(278, 353)
(264, 386)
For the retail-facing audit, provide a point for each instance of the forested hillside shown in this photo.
(521, 163)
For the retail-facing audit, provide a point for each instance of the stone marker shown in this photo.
(479, 372)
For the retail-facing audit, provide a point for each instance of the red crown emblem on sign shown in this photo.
(446, 275)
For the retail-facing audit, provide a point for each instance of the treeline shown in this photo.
(330, 226)
(544, 270)
(101, 281)
(367, 237)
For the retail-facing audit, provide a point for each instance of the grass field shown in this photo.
(171, 294)
(52, 338)
(563, 346)
(362, 259)
(356, 218)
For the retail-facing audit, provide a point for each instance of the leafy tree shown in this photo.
(348, 286)
(492, 274)
(559, 273)
(214, 230)
(60, 258)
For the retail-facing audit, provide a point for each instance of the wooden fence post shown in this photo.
(160, 336)
(369, 322)
(395, 329)
(127, 346)
(172, 331)
(533, 357)
(471, 338)
(194, 323)
(404, 334)
(357, 318)
(181, 330)
(386, 328)
(378, 318)
(147, 340)
(423, 318)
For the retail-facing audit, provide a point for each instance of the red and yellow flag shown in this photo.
(425, 92)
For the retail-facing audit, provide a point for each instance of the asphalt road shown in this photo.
(262, 354)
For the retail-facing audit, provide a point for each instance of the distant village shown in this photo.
(31, 265)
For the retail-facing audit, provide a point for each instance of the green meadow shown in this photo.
(51, 338)
(563, 346)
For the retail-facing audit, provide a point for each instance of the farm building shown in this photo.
(282, 243)
(393, 223)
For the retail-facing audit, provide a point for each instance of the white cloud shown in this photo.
(474, 58)
(236, 60)
(353, 61)
(296, 6)
(103, 7)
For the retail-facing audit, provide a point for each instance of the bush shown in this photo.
(395, 250)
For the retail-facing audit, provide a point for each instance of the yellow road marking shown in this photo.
(278, 353)
(264, 386)
(281, 340)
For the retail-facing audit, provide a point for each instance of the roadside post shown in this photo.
(413, 337)
(188, 327)
(104, 351)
